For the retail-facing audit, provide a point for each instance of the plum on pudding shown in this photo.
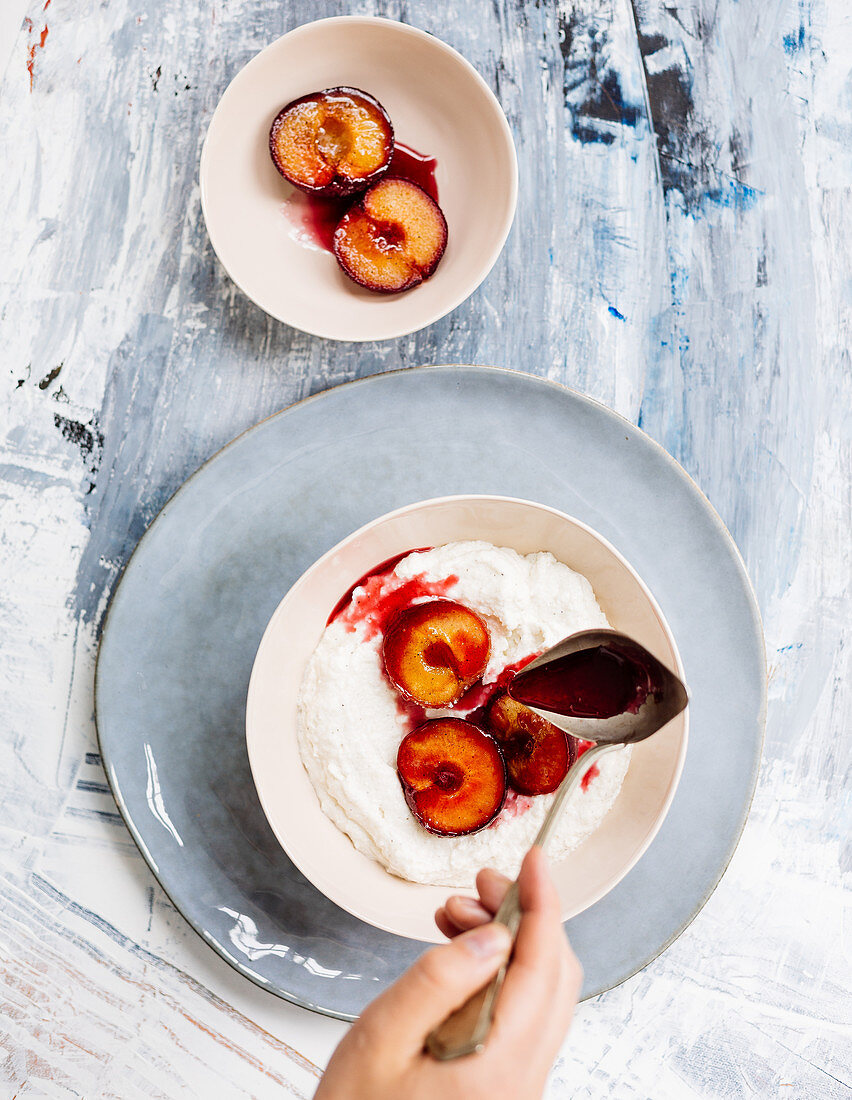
(392, 238)
(335, 142)
(537, 754)
(432, 652)
(452, 775)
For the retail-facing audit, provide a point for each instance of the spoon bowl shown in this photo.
(622, 668)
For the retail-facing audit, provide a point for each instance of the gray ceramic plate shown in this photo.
(187, 617)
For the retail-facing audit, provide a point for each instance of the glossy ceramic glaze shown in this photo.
(326, 855)
(438, 104)
(187, 618)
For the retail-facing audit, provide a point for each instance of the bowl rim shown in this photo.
(489, 258)
(251, 697)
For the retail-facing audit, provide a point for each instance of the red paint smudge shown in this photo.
(31, 52)
(46, 5)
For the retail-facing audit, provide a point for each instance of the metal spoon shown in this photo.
(661, 697)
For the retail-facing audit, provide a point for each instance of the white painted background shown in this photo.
(734, 282)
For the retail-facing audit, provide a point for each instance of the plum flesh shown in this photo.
(334, 143)
(432, 652)
(453, 776)
(392, 238)
(537, 753)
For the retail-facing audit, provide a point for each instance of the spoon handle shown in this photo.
(466, 1029)
(568, 785)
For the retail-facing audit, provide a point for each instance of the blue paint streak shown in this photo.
(615, 313)
(738, 196)
(794, 42)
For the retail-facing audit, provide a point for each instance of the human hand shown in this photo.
(382, 1056)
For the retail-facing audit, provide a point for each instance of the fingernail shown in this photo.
(487, 941)
(470, 904)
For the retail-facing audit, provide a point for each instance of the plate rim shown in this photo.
(447, 368)
(417, 32)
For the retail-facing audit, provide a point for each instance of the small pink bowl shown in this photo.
(438, 103)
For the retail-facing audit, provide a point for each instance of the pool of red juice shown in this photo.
(316, 218)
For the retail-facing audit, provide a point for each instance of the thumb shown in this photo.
(439, 982)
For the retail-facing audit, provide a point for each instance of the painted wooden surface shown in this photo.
(680, 252)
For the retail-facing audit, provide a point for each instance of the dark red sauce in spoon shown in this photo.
(592, 683)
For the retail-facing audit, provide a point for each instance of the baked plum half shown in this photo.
(537, 753)
(452, 775)
(392, 238)
(434, 651)
(335, 142)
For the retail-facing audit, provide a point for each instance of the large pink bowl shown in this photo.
(318, 848)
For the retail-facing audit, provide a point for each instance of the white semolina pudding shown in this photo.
(352, 719)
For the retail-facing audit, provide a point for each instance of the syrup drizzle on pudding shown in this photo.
(592, 683)
(383, 570)
(378, 601)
